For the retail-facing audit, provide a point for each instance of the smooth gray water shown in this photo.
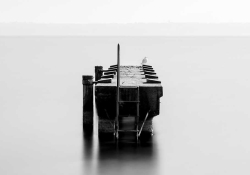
(203, 127)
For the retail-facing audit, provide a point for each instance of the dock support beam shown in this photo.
(98, 72)
(87, 81)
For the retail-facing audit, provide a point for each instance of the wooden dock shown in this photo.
(127, 98)
(150, 92)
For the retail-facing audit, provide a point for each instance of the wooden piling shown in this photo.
(87, 81)
(98, 72)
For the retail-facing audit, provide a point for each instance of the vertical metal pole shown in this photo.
(117, 90)
(118, 68)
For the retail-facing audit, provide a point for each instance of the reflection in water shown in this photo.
(88, 149)
(123, 156)
(88, 142)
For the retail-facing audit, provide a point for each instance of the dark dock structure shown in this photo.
(127, 98)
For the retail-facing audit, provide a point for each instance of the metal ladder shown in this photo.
(118, 117)
(127, 122)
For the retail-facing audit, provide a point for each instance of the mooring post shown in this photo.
(87, 81)
(98, 72)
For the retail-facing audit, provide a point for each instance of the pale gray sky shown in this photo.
(124, 11)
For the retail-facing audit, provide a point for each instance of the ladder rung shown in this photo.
(128, 130)
(129, 102)
(126, 116)
(128, 87)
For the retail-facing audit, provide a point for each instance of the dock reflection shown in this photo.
(87, 142)
(106, 155)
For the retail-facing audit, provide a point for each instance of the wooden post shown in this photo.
(87, 81)
(98, 72)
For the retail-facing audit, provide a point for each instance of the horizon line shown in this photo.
(126, 23)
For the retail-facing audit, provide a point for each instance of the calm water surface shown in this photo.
(203, 126)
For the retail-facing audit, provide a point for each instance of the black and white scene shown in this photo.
(139, 87)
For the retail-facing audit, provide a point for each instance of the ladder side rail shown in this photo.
(137, 113)
(138, 108)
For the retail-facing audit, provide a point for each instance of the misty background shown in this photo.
(125, 18)
(128, 29)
